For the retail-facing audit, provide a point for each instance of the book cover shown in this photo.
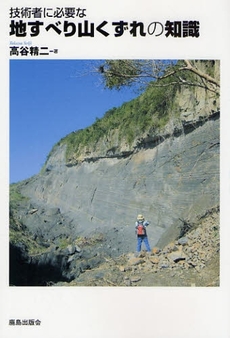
(111, 122)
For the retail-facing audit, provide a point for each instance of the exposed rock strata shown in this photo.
(192, 260)
(173, 182)
(81, 211)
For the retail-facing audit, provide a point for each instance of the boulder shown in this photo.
(183, 240)
(176, 256)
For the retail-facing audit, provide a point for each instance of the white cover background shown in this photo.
(113, 312)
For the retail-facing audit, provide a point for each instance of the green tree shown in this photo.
(119, 73)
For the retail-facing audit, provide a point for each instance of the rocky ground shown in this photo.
(45, 250)
(193, 260)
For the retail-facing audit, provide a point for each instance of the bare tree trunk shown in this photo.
(200, 73)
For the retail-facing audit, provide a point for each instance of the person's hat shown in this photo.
(140, 217)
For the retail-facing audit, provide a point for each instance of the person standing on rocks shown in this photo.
(141, 233)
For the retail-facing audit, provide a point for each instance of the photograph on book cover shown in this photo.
(126, 167)
(117, 195)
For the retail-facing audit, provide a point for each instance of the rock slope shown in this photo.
(192, 260)
(76, 222)
(176, 180)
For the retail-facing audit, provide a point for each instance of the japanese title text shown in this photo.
(28, 21)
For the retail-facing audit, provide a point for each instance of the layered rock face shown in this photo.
(171, 182)
(82, 208)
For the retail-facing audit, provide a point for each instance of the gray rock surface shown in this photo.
(173, 181)
(78, 224)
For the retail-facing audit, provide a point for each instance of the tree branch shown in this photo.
(192, 69)
(200, 73)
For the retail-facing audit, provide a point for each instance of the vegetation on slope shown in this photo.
(18, 233)
(148, 112)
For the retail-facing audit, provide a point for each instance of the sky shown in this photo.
(48, 100)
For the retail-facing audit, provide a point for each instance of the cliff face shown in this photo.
(171, 175)
(174, 181)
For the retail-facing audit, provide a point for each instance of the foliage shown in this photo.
(119, 73)
(63, 242)
(19, 236)
(15, 196)
(18, 233)
(149, 111)
(89, 241)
